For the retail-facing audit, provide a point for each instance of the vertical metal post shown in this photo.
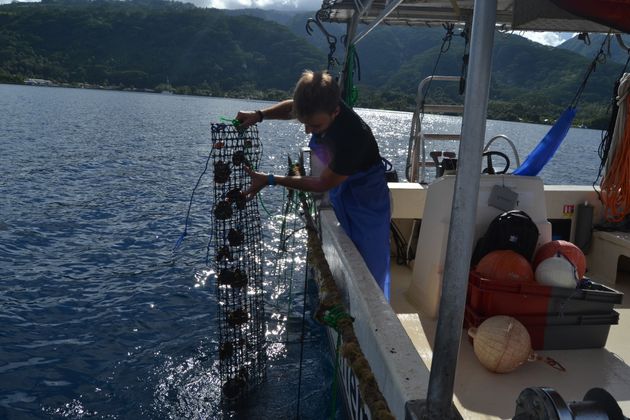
(463, 215)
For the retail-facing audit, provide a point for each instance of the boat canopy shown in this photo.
(526, 15)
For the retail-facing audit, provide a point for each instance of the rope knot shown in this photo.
(334, 315)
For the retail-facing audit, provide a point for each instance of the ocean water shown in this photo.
(99, 316)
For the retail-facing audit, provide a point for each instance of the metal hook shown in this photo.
(621, 43)
(329, 37)
(584, 37)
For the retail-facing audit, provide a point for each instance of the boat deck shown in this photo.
(482, 394)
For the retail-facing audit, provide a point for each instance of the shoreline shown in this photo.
(260, 96)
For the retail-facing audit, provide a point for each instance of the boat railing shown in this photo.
(510, 142)
(417, 153)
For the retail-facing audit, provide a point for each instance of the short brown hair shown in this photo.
(315, 92)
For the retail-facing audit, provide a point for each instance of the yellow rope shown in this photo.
(329, 302)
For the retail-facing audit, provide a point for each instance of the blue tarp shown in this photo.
(547, 147)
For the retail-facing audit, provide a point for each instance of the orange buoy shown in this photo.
(568, 250)
(505, 265)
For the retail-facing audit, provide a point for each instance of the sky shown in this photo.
(545, 38)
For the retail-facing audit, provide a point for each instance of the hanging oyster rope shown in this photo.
(237, 260)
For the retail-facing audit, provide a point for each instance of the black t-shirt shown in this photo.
(350, 142)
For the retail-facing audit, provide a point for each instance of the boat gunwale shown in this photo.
(401, 374)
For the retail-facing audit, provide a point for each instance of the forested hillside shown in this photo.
(531, 82)
(132, 44)
(259, 54)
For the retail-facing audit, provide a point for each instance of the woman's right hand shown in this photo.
(247, 118)
(258, 182)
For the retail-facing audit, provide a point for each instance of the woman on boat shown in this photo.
(354, 173)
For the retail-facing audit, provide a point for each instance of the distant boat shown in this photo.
(167, 89)
(38, 82)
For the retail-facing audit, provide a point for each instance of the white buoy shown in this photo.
(501, 343)
(557, 271)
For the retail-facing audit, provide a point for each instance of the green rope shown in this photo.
(334, 315)
(290, 206)
(290, 276)
(234, 122)
(262, 204)
(350, 90)
(332, 318)
(333, 402)
(281, 250)
(307, 200)
(299, 393)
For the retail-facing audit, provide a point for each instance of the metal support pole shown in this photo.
(463, 215)
(386, 12)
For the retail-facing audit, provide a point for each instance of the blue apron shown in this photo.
(362, 206)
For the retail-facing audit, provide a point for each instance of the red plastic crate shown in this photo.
(493, 297)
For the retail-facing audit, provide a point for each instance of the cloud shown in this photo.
(260, 4)
(241, 4)
(547, 38)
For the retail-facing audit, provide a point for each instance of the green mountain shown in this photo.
(132, 44)
(530, 81)
(259, 54)
(589, 48)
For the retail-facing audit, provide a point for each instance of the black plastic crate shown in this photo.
(560, 332)
(593, 300)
